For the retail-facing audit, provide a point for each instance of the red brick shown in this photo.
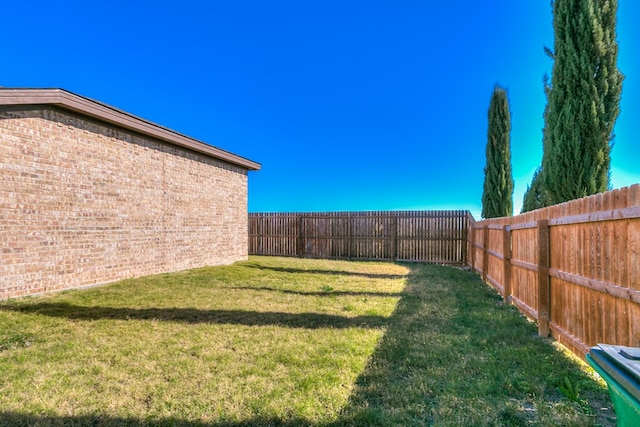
(84, 203)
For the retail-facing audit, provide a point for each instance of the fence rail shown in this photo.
(574, 267)
(423, 236)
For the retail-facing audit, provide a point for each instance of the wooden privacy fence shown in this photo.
(573, 267)
(425, 236)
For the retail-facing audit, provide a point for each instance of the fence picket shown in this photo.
(587, 293)
(426, 236)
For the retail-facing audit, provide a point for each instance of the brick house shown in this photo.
(90, 194)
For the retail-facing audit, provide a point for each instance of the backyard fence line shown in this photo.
(420, 236)
(574, 268)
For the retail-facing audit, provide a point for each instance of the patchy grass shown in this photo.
(276, 341)
(455, 355)
(15, 340)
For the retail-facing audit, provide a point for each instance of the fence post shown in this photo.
(485, 254)
(506, 245)
(472, 246)
(394, 248)
(300, 238)
(464, 222)
(543, 278)
(349, 238)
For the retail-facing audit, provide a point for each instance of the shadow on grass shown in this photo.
(11, 419)
(195, 316)
(327, 272)
(453, 354)
(328, 293)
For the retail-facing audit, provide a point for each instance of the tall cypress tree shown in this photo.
(535, 197)
(497, 197)
(583, 100)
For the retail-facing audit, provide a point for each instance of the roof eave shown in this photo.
(90, 108)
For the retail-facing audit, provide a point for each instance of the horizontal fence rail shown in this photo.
(573, 267)
(421, 236)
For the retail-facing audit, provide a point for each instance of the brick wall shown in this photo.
(84, 203)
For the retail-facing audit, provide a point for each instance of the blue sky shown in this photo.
(348, 105)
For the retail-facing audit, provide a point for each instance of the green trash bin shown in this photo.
(619, 366)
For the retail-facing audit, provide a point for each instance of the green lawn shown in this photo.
(281, 341)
